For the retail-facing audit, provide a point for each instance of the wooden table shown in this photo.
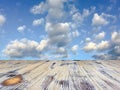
(61, 75)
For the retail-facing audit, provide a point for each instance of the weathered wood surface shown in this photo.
(62, 75)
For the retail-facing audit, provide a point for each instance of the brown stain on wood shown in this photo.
(12, 81)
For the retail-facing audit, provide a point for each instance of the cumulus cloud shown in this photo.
(43, 44)
(61, 50)
(56, 29)
(115, 37)
(91, 46)
(56, 12)
(100, 36)
(38, 9)
(99, 20)
(21, 48)
(38, 22)
(74, 49)
(79, 18)
(2, 20)
(24, 48)
(53, 7)
(113, 51)
(58, 33)
(21, 28)
(103, 45)
(103, 19)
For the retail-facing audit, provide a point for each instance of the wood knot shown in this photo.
(12, 81)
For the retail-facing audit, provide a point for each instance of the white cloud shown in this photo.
(21, 28)
(39, 9)
(112, 47)
(21, 48)
(2, 20)
(99, 20)
(58, 33)
(100, 36)
(74, 48)
(55, 10)
(115, 37)
(112, 54)
(55, 13)
(38, 22)
(103, 45)
(30, 48)
(61, 50)
(79, 18)
(24, 48)
(87, 39)
(57, 29)
(89, 47)
(43, 44)
(56, 3)
(75, 33)
(53, 7)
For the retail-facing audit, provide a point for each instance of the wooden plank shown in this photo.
(61, 75)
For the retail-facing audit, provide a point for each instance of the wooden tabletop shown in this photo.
(60, 75)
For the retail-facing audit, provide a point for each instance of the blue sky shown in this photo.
(59, 29)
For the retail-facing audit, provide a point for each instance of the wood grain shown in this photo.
(61, 75)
